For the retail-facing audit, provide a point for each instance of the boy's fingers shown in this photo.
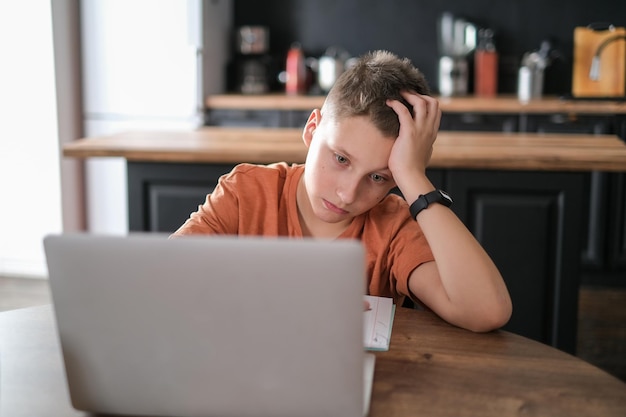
(400, 109)
(422, 104)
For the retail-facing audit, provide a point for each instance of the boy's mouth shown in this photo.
(330, 206)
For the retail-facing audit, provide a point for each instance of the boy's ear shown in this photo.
(311, 125)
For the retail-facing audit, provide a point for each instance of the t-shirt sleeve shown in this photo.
(396, 245)
(219, 212)
(408, 250)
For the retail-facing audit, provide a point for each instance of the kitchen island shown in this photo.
(524, 196)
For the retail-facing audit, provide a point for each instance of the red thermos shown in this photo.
(296, 70)
(485, 65)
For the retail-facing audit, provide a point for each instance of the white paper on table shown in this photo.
(378, 322)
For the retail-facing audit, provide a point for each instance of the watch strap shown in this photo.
(424, 200)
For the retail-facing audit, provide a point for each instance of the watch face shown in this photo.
(446, 196)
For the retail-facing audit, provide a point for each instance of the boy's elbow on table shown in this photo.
(492, 319)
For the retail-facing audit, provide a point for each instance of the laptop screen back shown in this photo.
(210, 325)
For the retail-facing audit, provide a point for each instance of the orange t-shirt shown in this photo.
(261, 200)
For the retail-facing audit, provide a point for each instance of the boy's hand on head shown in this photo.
(411, 152)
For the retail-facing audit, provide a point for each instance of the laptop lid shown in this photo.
(211, 325)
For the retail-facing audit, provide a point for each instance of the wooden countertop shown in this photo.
(470, 150)
(500, 104)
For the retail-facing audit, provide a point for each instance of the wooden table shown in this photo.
(431, 369)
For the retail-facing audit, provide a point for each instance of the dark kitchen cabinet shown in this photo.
(161, 196)
(529, 223)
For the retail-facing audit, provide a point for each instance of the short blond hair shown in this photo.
(362, 90)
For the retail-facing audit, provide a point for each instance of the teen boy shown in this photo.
(375, 131)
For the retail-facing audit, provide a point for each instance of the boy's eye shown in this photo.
(341, 159)
(377, 178)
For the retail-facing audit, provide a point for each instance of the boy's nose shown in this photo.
(347, 191)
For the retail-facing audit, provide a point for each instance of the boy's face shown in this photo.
(346, 170)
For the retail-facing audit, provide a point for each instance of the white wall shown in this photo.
(30, 190)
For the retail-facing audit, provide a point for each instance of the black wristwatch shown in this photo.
(424, 200)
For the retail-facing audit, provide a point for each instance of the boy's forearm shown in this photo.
(473, 294)
(414, 184)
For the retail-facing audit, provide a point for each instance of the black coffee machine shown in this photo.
(252, 69)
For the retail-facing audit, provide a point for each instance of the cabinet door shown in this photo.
(529, 223)
(169, 205)
(162, 196)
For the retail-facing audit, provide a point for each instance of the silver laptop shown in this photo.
(203, 326)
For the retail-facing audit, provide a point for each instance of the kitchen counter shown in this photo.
(471, 150)
(500, 104)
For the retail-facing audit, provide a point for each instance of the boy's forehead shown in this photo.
(359, 137)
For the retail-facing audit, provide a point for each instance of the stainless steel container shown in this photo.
(529, 83)
(530, 75)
